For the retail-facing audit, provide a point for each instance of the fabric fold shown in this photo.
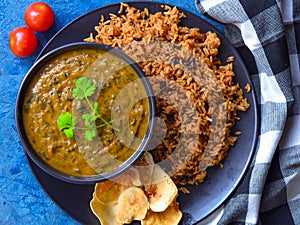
(256, 29)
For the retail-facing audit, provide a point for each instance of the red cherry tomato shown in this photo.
(22, 41)
(39, 16)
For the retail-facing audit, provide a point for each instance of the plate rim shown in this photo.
(240, 179)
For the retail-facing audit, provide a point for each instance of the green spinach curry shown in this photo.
(97, 141)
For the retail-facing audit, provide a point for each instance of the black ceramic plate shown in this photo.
(219, 184)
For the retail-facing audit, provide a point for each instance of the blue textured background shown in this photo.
(22, 201)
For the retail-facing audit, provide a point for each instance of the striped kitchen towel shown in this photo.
(267, 35)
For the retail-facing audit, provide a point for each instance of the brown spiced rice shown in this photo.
(141, 34)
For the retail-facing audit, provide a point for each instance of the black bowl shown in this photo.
(86, 179)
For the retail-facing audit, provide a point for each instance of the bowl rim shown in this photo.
(29, 150)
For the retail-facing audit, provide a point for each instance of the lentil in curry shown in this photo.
(50, 94)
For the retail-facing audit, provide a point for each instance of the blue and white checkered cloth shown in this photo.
(267, 35)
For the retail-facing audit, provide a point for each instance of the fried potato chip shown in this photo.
(130, 177)
(171, 216)
(122, 200)
(106, 213)
(145, 167)
(110, 190)
(132, 205)
(162, 191)
(148, 158)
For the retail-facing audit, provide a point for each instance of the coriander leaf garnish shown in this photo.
(66, 122)
(69, 132)
(90, 134)
(89, 119)
(84, 88)
(96, 108)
